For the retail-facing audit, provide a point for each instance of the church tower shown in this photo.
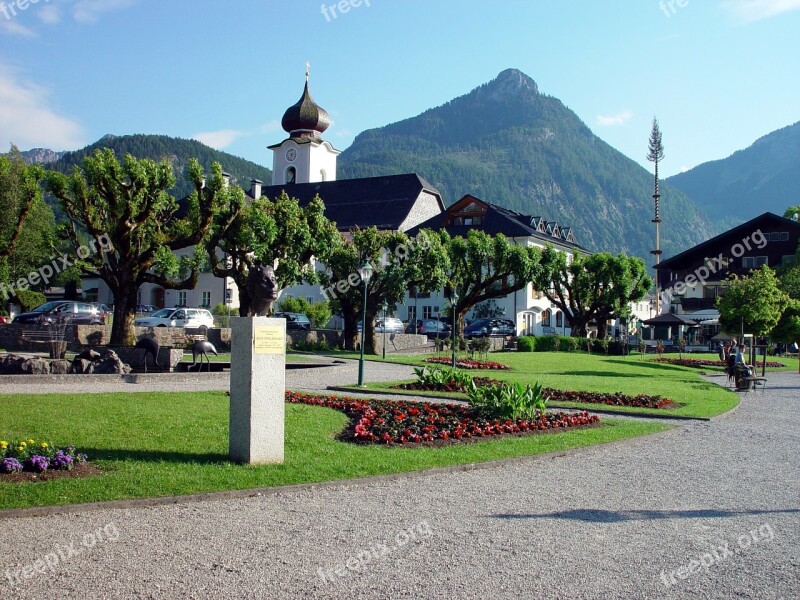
(304, 157)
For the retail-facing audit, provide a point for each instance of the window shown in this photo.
(309, 299)
(427, 312)
(559, 319)
(291, 175)
(323, 176)
(412, 314)
(784, 236)
(753, 262)
(205, 299)
(777, 236)
(546, 318)
(182, 298)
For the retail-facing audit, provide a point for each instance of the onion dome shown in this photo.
(306, 118)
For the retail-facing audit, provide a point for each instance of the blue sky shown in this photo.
(718, 74)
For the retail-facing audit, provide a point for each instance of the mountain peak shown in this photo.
(513, 82)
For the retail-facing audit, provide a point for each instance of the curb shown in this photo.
(65, 509)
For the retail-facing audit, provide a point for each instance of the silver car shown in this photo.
(392, 325)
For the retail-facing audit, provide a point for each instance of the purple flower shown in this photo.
(61, 461)
(10, 465)
(38, 463)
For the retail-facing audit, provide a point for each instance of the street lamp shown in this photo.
(453, 301)
(385, 307)
(365, 271)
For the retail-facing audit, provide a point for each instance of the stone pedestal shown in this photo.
(258, 385)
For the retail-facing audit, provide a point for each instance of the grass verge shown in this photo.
(599, 373)
(160, 444)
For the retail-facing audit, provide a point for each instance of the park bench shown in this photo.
(747, 382)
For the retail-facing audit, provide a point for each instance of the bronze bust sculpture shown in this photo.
(263, 289)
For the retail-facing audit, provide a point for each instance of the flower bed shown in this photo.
(30, 456)
(451, 386)
(400, 422)
(615, 399)
(700, 363)
(553, 395)
(467, 363)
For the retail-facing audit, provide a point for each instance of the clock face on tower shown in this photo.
(291, 154)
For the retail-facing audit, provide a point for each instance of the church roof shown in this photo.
(384, 202)
(305, 117)
(493, 219)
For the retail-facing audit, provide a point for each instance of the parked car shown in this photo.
(198, 318)
(433, 328)
(489, 328)
(393, 325)
(63, 311)
(296, 321)
(145, 309)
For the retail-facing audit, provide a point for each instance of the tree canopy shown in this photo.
(278, 233)
(483, 267)
(753, 303)
(399, 261)
(27, 225)
(592, 288)
(135, 226)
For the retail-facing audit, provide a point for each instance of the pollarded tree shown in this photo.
(788, 328)
(278, 232)
(592, 288)
(752, 304)
(25, 220)
(135, 225)
(483, 267)
(398, 261)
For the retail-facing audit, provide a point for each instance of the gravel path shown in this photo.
(707, 510)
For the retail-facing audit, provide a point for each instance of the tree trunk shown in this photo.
(123, 332)
(350, 329)
(369, 337)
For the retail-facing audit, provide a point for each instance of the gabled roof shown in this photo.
(383, 202)
(497, 219)
(727, 240)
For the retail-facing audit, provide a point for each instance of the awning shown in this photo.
(671, 319)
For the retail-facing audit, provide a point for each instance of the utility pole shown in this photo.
(656, 153)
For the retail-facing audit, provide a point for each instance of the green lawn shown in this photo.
(591, 372)
(161, 444)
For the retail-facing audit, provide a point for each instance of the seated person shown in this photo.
(740, 364)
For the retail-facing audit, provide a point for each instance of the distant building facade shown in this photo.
(691, 282)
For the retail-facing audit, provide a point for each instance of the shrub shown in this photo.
(308, 346)
(572, 344)
(480, 345)
(508, 401)
(222, 318)
(319, 313)
(526, 343)
(436, 376)
(28, 299)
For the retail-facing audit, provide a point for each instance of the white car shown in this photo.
(195, 318)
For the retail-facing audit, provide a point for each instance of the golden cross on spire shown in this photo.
(308, 66)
